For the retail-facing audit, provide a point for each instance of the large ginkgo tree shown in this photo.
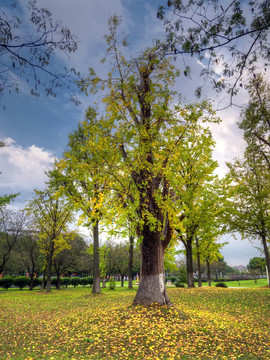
(139, 135)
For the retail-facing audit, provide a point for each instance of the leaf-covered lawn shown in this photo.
(204, 323)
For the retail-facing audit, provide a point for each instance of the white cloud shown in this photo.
(23, 169)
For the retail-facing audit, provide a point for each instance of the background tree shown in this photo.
(231, 39)
(143, 132)
(249, 213)
(51, 216)
(68, 257)
(199, 195)
(255, 119)
(257, 263)
(78, 176)
(27, 54)
(83, 260)
(30, 255)
(12, 224)
(119, 257)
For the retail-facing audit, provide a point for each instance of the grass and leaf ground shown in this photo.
(204, 323)
(241, 283)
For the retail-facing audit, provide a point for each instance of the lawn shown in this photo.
(204, 323)
(242, 283)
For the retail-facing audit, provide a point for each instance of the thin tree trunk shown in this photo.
(267, 257)
(152, 277)
(49, 268)
(199, 265)
(130, 261)
(190, 278)
(31, 283)
(42, 286)
(122, 280)
(208, 272)
(58, 282)
(96, 278)
(199, 271)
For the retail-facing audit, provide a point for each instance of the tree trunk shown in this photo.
(152, 277)
(267, 258)
(190, 278)
(208, 272)
(58, 282)
(199, 265)
(31, 283)
(96, 278)
(130, 261)
(122, 280)
(49, 267)
(42, 286)
(199, 271)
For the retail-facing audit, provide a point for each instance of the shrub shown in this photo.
(66, 281)
(181, 279)
(179, 284)
(84, 281)
(111, 284)
(54, 281)
(221, 284)
(6, 282)
(21, 281)
(37, 282)
(90, 280)
(75, 281)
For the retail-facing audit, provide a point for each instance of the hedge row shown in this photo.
(22, 281)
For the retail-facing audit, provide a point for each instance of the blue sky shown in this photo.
(36, 128)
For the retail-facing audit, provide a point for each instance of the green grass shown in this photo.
(241, 283)
(204, 323)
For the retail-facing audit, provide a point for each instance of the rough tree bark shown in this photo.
(152, 276)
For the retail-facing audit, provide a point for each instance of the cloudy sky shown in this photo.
(36, 128)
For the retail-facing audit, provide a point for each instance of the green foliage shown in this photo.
(21, 281)
(257, 263)
(6, 199)
(90, 280)
(84, 281)
(51, 216)
(66, 281)
(54, 281)
(221, 284)
(181, 279)
(75, 281)
(6, 282)
(171, 278)
(37, 282)
(112, 283)
(178, 284)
